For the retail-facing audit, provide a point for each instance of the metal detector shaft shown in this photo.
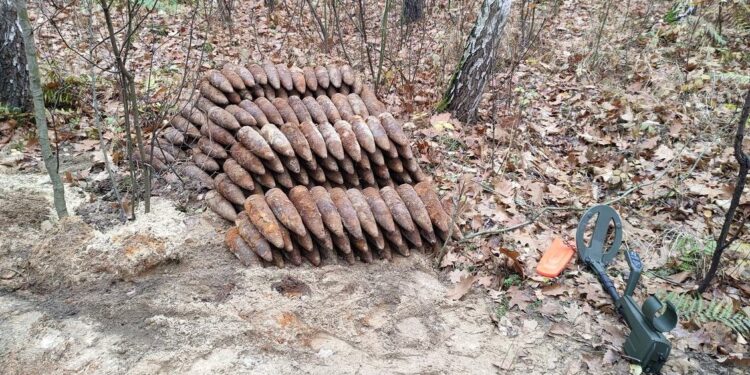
(606, 282)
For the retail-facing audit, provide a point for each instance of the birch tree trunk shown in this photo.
(40, 116)
(14, 89)
(467, 84)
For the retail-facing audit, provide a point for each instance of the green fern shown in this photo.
(733, 77)
(700, 311)
(714, 33)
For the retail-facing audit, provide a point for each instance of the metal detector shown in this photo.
(646, 344)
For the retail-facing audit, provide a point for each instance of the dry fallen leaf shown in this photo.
(461, 288)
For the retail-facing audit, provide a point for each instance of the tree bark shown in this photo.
(413, 11)
(467, 84)
(14, 88)
(744, 162)
(40, 115)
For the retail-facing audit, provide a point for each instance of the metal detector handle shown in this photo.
(634, 262)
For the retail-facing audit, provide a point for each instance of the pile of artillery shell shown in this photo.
(322, 225)
(253, 128)
(307, 163)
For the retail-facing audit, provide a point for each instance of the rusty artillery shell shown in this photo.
(272, 74)
(315, 110)
(311, 80)
(298, 141)
(285, 110)
(358, 106)
(220, 205)
(328, 211)
(333, 141)
(305, 204)
(247, 159)
(299, 108)
(277, 140)
(240, 248)
(435, 210)
(259, 74)
(321, 75)
(238, 174)
(399, 211)
(219, 81)
(194, 173)
(342, 106)
(348, 140)
(272, 114)
(334, 76)
(255, 142)
(285, 211)
(285, 77)
(212, 93)
(217, 133)
(347, 74)
(243, 117)
(184, 126)
(379, 209)
(263, 218)
(234, 79)
(252, 236)
(393, 129)
(364, 213)
(374, 106)
(255, 111)
(332, 113)
(228, 189)
(314, 139)
(298, 79)
(204, 161)
(247, 77)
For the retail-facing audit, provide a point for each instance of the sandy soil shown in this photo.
(163, 295)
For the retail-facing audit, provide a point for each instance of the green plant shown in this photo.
(691, 252)
(502, 307)
(62, 92)
(699, 311)
(512, 279)
(8, 113)
(535, 305)
(672, 16)
(733, 77)
(451, 143)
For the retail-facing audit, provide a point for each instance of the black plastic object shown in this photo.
(646, 344)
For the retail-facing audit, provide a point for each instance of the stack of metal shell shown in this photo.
(323, 225)
(250, 131)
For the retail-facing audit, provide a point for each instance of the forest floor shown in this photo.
(634, 105)
(162, 295)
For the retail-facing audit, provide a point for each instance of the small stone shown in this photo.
(325, 353)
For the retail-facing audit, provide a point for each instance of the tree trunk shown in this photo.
(413, 11)
(467, 84)
(40, 115)
(14, 88)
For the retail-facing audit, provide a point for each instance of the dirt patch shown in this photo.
(23, 209)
